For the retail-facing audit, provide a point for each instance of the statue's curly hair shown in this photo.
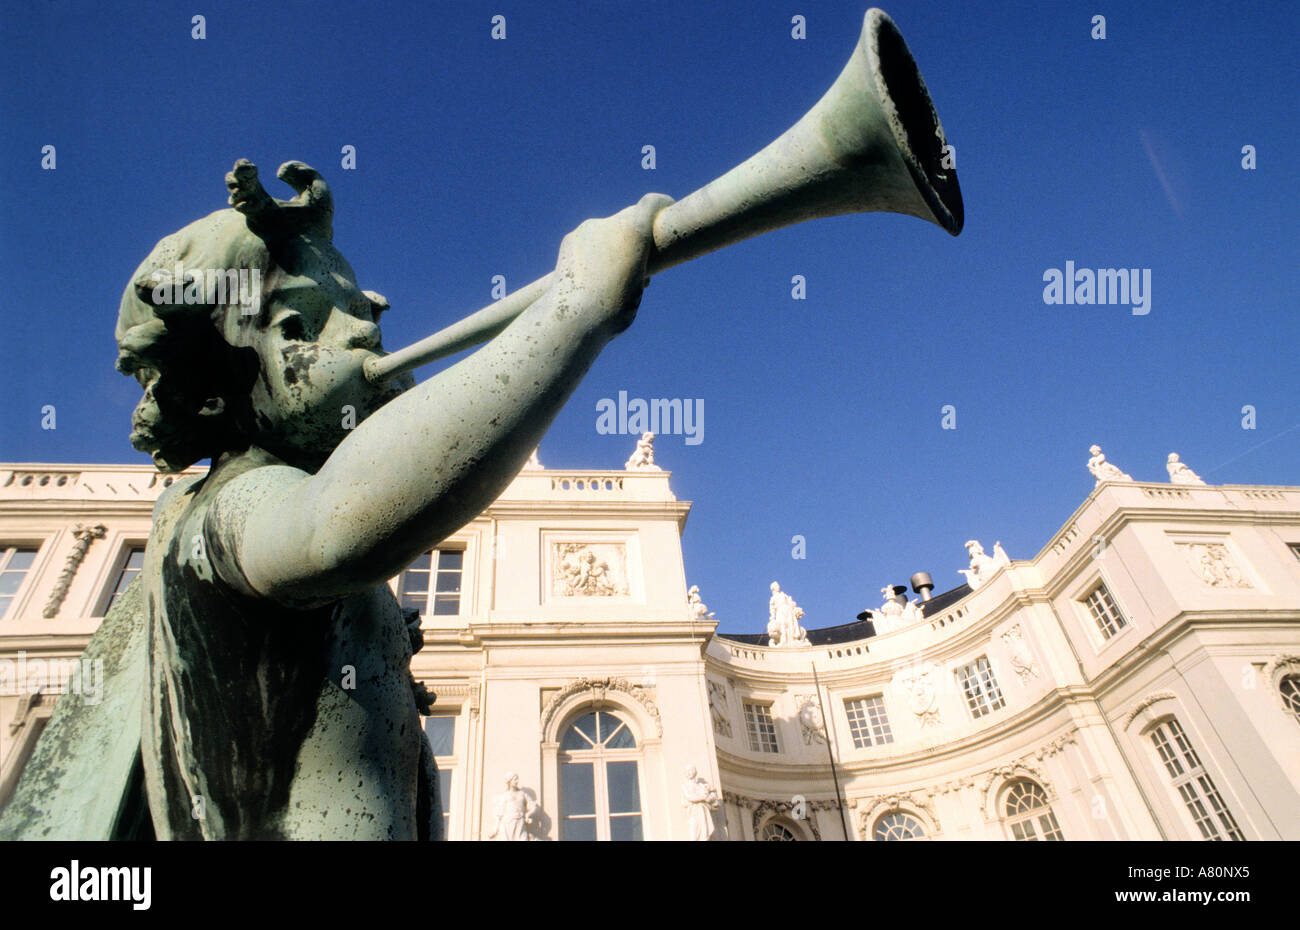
(193, 359)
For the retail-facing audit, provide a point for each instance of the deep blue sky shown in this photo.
(822, 416)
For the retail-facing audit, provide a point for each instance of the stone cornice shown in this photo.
(45, 645)
(554, 632)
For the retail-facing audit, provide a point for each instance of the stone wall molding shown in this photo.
(596, 689)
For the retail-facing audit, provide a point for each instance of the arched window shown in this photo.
(1289, 686)
(776, 832)
(1029, 814)
(898, 825)
(600, 780)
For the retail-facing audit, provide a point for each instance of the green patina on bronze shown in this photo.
(257, 677)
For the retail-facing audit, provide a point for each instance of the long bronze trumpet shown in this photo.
(873, 143)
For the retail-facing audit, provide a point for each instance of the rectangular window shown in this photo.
(15, 563)
(130, 568)
(1193, 783)
(761, 729)
(1107, 616)
(431, 584)
(981, 687)
(444, 795)
(440, 730)
(867, 721)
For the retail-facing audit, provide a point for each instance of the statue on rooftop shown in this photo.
(896, 612)
(1179, 473)
(1103, 470)
(783, 616)
(643, 456)
(982, 565)
(699, 609)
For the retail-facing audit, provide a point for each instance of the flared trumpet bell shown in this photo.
(873, 143)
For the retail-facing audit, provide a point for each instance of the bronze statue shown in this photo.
(259, 665)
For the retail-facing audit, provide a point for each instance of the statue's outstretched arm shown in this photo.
(432, 459)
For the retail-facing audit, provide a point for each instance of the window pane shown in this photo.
(421, 563)
(441, 730)
(624, 788)
(587, 725)
(622, 739)
(450, 559)
(21, 560)
(446, 605)
(606, 724)
(574, 739)
(625, 829)
(9, 582)
(579, 830)
(578, 785)
(444, 794)
(449, 582)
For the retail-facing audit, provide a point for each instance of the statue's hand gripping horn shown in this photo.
(872, 143)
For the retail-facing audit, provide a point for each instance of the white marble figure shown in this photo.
(700, 801)
(783, 615)
(580, 571)
(643, 456)
(1214, 565)
(982, 565)
(699, 609)
(514, 811)
(895, 613)
(1103, 470)
(1179, 473)
(533, 463)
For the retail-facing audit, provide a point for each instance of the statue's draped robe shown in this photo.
(227, 716)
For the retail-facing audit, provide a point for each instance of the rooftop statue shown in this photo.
(896, 612)
(1180, 473)
(699, 609)
(783, 616)
(1103, 470)
(643, 456)
(982, 565)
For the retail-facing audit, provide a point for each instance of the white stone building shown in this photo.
(1138, 678)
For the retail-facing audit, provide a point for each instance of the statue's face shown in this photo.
(312, 389)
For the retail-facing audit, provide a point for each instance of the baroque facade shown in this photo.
(1138, 678)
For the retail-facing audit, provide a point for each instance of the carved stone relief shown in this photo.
(718, 708)
(1019, 654)
(1214, 565)
(84, 535)
(589, 570)
(597, 687)
(923, 693)
(811, 723)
